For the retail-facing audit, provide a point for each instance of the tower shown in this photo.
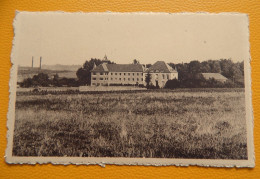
(94, 66)
(40, 62)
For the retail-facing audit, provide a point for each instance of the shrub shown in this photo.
(171, 84)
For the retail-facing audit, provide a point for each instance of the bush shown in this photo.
(171, 84)
(201, 83)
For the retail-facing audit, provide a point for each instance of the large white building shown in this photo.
(111, 74)
(161, 72)
(131, 74)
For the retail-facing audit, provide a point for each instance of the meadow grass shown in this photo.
(208, 124)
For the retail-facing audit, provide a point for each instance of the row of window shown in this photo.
(141, 74)
(141, 79)
(101, 73)
(164, 76)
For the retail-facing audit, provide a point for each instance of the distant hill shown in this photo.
(63, 71)
(59, 67)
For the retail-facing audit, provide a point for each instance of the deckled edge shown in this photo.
(250, 163)
(12, 93)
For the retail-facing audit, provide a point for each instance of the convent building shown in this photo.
(132, 74)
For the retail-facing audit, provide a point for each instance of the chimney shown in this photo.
(32, 61)
(40, 62)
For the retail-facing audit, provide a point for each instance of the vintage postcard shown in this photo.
(131, 89)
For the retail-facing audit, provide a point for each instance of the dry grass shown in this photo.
(173, 124)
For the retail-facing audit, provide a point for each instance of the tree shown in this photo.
(41, 79)
(172, 84)
(205, 67)
(148, 78)
(215, 66)
(148, 65)
(56, 81)
(136, 62)
(84, 73)
(83, 76)
(194, 67)
(27, 83)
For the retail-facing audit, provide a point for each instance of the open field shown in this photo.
(199, 123)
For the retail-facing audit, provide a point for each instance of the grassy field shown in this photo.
(197, 123)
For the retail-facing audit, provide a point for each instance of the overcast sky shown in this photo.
(62, 38)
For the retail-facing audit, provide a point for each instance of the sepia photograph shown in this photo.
(131, 89)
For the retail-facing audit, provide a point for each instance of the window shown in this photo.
(168, 77)
(133, 79)
(163, 76)
(133, 74)
(124, 79)
(101, 73)
(116, 79)
(119, 78)
(93, 83)
(111, 73)
(128, 79)
(111, 78)
(106, 73)
(142, 79)
(120, 74)
(98, 84)
(115, 73)
(93, 78)
(94, 73)
(137, 79)
(101, 78)
(137, 74)
(142, 74)
(128, 74)
(124, 73)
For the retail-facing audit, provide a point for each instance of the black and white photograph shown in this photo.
(131, 89)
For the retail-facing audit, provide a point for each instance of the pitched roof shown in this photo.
(160, 67)
(118, 68)
(98, 68)
(216, 76)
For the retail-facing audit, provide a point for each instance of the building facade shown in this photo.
(117, 74)
(131, 74)
(160, 73)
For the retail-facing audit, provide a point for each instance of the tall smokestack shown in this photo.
(32, 62)
(40, 62)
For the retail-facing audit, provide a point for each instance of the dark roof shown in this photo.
(98, 68)
(216, 76)
(160, 67)
(118, 68)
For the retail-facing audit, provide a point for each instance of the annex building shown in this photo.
(131, 74)
(215, 76)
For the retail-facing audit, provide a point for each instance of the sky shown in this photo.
(73, 38)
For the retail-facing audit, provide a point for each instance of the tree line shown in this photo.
(187, 72)
(43, 80)
(226, 67)
(190, 74)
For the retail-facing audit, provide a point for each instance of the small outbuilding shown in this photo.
(215, 76)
